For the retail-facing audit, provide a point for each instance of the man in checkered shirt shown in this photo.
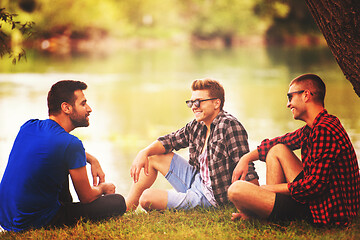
(324, 187)
(216, 142)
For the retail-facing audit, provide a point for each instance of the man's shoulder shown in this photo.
(228, 124)
(331, 126)
(328, 121)
(30, 123)
(225, 118)
(41, 124)
(46, 130)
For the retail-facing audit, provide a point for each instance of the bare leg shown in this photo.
(157, 163)
(249, 197)
(282, 166)
(154, 199)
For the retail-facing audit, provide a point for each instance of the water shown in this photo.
(138, 95)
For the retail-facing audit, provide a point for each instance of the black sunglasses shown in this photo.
(290, 94)
(197, 102)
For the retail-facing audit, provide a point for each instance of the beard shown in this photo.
(78, 120)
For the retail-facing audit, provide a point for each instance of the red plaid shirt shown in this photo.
(331, 180)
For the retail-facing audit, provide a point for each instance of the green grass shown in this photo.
(195, 224)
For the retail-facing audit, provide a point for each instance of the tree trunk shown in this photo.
(339, 21)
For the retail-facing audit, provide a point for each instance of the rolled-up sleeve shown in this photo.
(292, 140)
(176, 140)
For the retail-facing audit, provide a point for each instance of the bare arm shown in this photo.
(85, 192)
(142, 160)
(242, 166)
(278, 188)
(96, 170)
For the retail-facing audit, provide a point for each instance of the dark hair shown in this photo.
(314, 83)
(215, 89)
(63, 91)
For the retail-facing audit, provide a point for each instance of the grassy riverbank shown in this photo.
(196, 224)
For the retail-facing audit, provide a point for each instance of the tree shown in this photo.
(11, 25)
(339, 21)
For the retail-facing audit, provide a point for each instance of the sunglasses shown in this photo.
(197, 102)
(290, 94)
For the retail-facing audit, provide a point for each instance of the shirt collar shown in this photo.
(318, 118)
(218, 117)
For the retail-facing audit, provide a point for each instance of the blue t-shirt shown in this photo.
(39, 163)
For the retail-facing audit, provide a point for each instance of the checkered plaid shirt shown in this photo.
(331, 180)
(227, 143)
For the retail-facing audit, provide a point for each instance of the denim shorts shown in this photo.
(186, 181)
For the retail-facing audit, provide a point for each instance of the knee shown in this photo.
(145, 200)
(277, 150)
(237, 190)
(109, 205)
(116, 203)
(161, 162)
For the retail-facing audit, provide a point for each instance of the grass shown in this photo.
(195, 224)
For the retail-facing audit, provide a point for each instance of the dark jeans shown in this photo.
(104, 207)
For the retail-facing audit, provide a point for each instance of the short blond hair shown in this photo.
(215, 89)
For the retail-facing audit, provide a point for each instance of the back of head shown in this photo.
(63, 91)
(215, 89)
(314, 84)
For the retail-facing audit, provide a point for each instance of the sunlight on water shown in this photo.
(137, 96)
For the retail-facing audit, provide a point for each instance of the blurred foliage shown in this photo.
(222, 18)
(290, 18)
(15, 29)
(117, 17)
(158, 19)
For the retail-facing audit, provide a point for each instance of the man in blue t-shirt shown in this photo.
(34, 190)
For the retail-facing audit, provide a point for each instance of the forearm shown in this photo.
(91, 159)
(95, 193)
(155, 148)
(96, 170)
(242, 166)
(252, 156)
(85, 192)
(142, 159)
(278, 188)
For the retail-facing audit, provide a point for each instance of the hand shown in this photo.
(242, 166)
(141, 161)
(240, 170)
(107, 188)
(96, 170)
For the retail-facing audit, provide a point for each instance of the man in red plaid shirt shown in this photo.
(324, 187)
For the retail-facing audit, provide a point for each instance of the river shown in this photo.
(138, 95)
